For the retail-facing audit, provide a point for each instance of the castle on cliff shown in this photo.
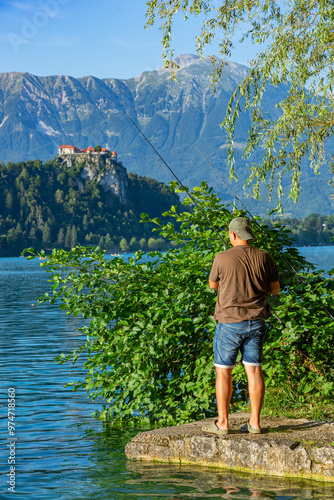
(100, 166)
(72, 150)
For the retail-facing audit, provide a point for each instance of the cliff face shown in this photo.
(109, 173)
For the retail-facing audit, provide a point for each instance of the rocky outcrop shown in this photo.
(290, 447)
(109, 173)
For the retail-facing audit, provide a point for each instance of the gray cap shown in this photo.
(242, 228)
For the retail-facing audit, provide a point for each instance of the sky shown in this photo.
(103, 38)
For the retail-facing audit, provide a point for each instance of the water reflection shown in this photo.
(201, 482)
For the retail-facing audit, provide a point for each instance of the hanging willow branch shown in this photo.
(299, 53)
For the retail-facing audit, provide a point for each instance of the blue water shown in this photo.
(60, 451)
(322, 257)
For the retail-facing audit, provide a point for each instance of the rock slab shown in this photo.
(287, 447)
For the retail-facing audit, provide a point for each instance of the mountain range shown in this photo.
(38, 114)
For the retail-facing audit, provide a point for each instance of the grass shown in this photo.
(278, 403)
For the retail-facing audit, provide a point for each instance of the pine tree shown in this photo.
(85, 221)
(11, 236)
(32, 237)
(46, 234)
(74, 237)
(68, 237)
(61, 238)
(108, 241)
(9, 201)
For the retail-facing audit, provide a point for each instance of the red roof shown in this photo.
(114, 153)
(68, 147)
(89, 149)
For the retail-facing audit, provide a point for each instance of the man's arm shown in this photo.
(274, 288)
(213, 284)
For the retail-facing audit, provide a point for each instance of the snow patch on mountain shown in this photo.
(46, 129)
(4, 120)
(182, 61)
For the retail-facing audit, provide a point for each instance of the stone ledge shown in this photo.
(287, 447)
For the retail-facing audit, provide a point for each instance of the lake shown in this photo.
(63, 453)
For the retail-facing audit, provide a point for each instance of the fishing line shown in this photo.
(178, 180)
(194, 201)
(265, 233)
(153, 148)
(150, 144)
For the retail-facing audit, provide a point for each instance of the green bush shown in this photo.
(151, 327)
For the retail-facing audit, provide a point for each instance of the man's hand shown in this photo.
(214, 284)
(274, 288)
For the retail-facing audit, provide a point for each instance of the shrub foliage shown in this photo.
(150, 330)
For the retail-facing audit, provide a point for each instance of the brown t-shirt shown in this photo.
(244, 273)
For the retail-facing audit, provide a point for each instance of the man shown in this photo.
(243, 276)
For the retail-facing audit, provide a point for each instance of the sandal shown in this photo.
(248, 428)
(213, 429)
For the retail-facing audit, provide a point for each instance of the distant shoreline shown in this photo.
(121, 254)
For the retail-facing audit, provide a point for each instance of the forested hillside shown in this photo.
(47, 205)
(315, 229)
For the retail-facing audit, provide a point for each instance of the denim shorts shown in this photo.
(247, 336)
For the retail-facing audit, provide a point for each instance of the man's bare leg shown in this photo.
(256, 389)
(223, 395)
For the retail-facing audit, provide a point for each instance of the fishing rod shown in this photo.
(263, 231)
(189, 194)
(178, 180)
